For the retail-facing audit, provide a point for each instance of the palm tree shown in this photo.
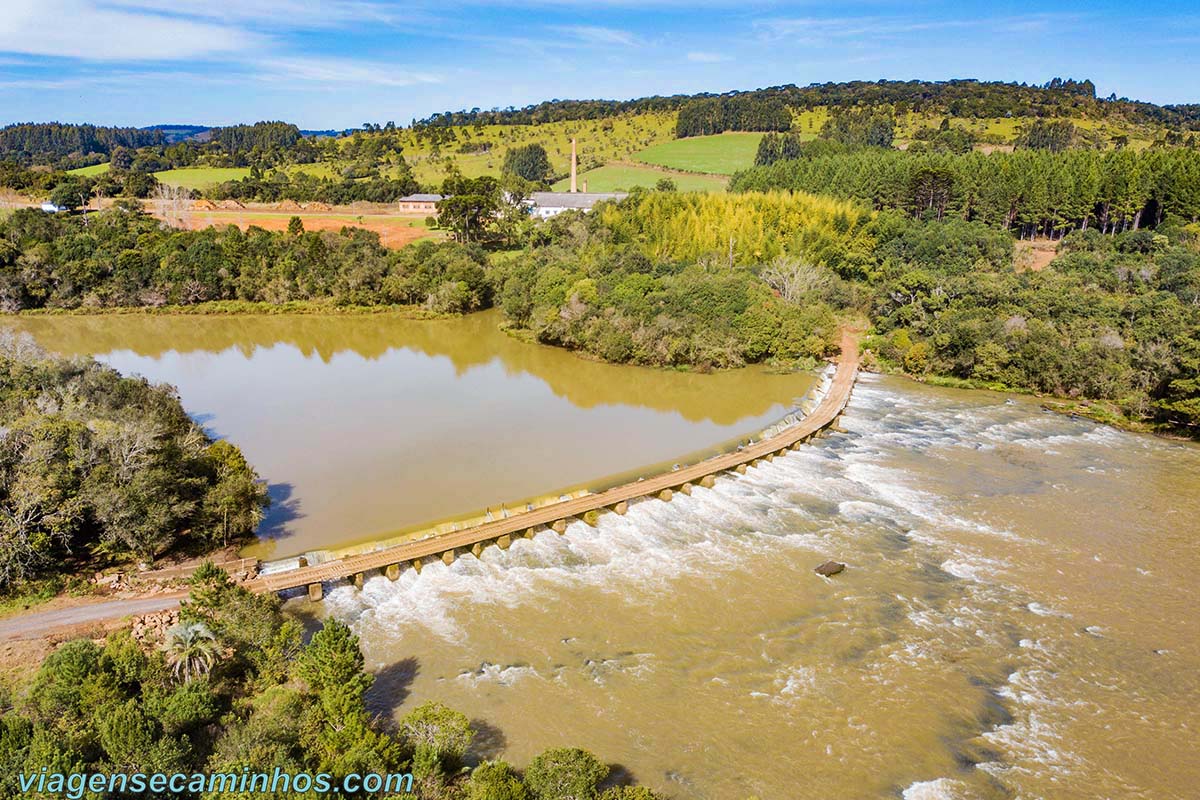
(191, 648)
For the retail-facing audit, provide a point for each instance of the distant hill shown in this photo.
(178, 133)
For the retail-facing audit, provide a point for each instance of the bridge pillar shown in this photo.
(416, 565)
(708, 481)
(393, 572)
(359, 579)
(769, 457)
(477, 549)
(448, 557)
(621, 507)
(686, 489)
(504, 542)
(740, 469)
(315, 592)
(591, 517)
(665, 495)
(559, 526)
(302, 562)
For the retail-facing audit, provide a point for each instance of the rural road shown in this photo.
(40, 623)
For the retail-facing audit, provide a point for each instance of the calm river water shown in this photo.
(366, 425)
(1018, 618)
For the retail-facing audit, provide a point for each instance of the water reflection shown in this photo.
(364, 425)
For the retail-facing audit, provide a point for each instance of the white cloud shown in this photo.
(80, 30)
(284, 14)
(341, 71)
(596, 35)
(701, 57)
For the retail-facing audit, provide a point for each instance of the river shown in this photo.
(1018, 616)
(365, 426)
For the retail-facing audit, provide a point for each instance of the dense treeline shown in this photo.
(958, 98)
(668, 279)
(231, 688)
(1030, 191)
(126, 258)
(860, 127)
(96, 465)
(711, 115)
(1112, 318)
(366, 186)
(48, 143)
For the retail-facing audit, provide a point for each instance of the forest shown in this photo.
(711, 115)
(127, 258)
(98, 468)
(233, 686)
(1031, 192)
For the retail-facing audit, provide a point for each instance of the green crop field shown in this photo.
(723, 154)
(617, 177)
(92, 171)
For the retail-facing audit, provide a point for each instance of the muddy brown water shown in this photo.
(1018, 617)
(368, 425)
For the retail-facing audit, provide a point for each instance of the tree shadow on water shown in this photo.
(489, 742)
(285, 509)
(392, 686)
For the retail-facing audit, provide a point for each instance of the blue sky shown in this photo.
(339, 63)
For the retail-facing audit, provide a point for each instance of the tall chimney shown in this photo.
(574, 167)
(585, 185)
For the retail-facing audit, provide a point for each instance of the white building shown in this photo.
(51, 208)
(549, 204)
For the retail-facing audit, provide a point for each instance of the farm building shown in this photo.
(419, 203)
(549, 204)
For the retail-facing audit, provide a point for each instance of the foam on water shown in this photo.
(813, 501)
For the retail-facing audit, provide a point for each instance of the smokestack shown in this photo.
(574, 167)
(585, 185)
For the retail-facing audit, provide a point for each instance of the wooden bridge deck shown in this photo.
(446, 547)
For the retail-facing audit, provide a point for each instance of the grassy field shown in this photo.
(95, 169)
(201, 177)
(617, 177)
(723, 154)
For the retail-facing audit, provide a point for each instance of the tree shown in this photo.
(665, 185)
(191, 649)
(333, 661)
(529, 162)
(495, 780)
(470, 205)
(796, 278)
(437, 734)
(565, 773)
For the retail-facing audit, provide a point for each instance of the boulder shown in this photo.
(830, 568)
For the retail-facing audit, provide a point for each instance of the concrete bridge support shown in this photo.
(686, 489)
(740, 469)
(559, 526)
(504, 542)
(665, 495)
(358, 579)
(591, 517)
(477, 549)
(392, 571)
(708, 481)
(316, 591)
(621, 508)
(448, 557)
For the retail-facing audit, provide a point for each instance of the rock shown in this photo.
(830, 568)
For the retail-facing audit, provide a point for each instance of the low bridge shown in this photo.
(555, 516)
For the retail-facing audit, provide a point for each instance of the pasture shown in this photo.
(622, 177)
(723, 154)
